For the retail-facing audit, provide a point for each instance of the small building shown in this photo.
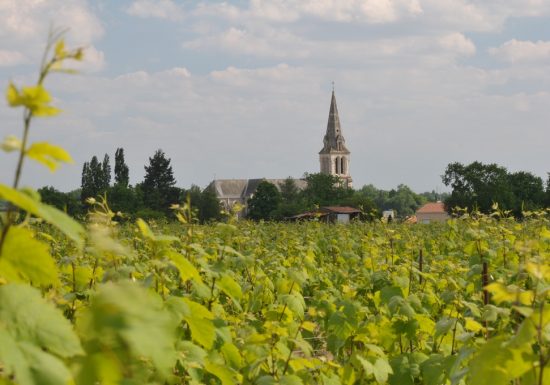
(432, 212)
(329, 214)
(341, 214)
(388, 215)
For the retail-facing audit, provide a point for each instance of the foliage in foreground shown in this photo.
(277, 303)
(243, 303)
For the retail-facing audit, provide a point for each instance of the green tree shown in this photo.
(122, 177)
(91, 178)
(379, 197)
(205, 203)
(364, 203)
(105, 180)
(86, 188)
(52, 196)
(68, 202)
(547, 202)
(124, 199)
(289, 191)
(478, 186)
(325, 190)
(434, 196)
(209, 206)
(158, 187)
(528, 191)
(264, 202)
(292, 202)
(404, 201)
(96, 177)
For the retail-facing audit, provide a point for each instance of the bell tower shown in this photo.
(335, 157)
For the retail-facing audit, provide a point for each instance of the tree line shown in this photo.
(270, 202)
(476, 186)
(479, 186)
(151, 198)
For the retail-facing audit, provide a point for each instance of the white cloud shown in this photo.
(29, 20)
(269, 76)
(458, 43)
(266, 42)
(11, 58)
(161, 9)
(384, 11)
(260, 107)
(178, 72)
(373, 11)
(521, 51)
(438, 15)
(83, 25)
(24, 27)
(135, 78)
(278, 114)
(279, 10)
(280, 43)
(289, 11)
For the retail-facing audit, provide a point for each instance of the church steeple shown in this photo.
(333, 140)
(334, 156)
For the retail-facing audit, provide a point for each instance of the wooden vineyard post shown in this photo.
(420, 263)
(391, 247)
(485, 282)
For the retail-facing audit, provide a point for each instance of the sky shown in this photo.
(241, 89)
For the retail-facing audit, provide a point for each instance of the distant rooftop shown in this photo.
(341, 209)
(432, 208)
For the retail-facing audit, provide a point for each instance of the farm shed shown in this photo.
(330, 214)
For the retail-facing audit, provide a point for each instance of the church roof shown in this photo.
(230, 188)
(334, 140)
(244, 188)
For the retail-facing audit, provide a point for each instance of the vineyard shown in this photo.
(120, 302)
(245, 303)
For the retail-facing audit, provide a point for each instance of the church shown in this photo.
(334, 159)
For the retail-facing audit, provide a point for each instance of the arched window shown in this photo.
(337, 166)
(342, 165)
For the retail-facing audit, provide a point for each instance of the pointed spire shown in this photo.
(333, 140)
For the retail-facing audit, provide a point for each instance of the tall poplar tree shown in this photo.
(105, 173)
(96, 177)
(122, 177)
(86, 182)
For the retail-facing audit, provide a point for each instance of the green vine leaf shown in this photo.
(23, 258)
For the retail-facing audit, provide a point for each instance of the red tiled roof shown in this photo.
(341, 209)
(431, 208)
